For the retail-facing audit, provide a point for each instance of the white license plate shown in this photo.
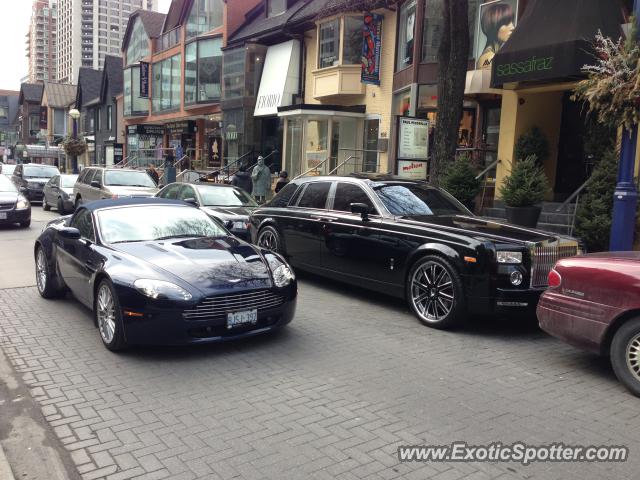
(3, 216)
(238, 319)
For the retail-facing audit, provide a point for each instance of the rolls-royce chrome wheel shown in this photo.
(270, 239)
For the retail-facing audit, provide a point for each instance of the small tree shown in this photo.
(532, 142)
(526, 185)
(460, 181)
(593, 218)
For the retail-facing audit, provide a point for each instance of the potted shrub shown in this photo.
(460, 181)
(523, 190)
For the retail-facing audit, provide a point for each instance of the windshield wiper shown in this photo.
(181, 235)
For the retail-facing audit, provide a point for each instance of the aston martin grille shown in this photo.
(212, 308)
(544, 256)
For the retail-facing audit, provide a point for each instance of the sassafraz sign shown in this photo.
(532, 64)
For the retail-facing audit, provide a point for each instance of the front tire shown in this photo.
(435, 293)
(26, 224)
(78, 203)
(61, 210)
(625, 355)
(45, 205)
(108, 316)
(269, 238)
(45, 282)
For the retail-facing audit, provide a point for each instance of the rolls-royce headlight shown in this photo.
(161, 289)
(509, 257)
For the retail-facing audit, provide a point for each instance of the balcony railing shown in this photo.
(167, 40)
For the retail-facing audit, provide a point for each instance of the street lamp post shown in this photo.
(625, 198)
(74, 114)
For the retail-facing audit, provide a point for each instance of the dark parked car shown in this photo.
(32, 177)
(58, 192)
(593, 302)
(14, 207)
(408, 239)
(6, 169)
(228, 204)
(162, 272)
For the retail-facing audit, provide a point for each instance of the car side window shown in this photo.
(186, 192)
(315, 195)
(84, 223)
(82, 176)
(171, 191)
(17, 172)
(348, 193)
(284, 196)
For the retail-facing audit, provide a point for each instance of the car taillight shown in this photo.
(554, 278)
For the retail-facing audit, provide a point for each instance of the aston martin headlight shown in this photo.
(282, 274)
(22, 203)
(509, 257)
(161, 289)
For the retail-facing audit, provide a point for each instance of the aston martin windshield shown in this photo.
(147, 223)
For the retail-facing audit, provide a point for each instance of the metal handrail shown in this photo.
(236, 162)
(179, 161)
(573, 195)
(484, 172)
(312, 169)
(341, 164)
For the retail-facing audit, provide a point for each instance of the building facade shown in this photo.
(41, 42)
(29, 113)
(109, 132)
(88, 30)
(8, 122)
(87, 101)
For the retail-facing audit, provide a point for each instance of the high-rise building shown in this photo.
(41, 42)
(88, 30)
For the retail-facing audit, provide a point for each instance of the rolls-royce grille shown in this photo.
(545, 255)
(213, 308)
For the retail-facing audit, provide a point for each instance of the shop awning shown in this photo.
(44, 151)
(280, 78)
(553, 40)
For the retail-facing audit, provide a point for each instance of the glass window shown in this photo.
(205, 16)
(186, 193)
(166, 84)
(406, 30)
(352, 42)
(348, 193)
(109, 117)
(276, 7)
(416, 200)
(190, 72)
(68, 181)
(293, 146)
(283, 197)
(170, 192)
(315, 195)
(233, 73)
(209, 69)
(127, 178)
(39, 171)
(176, 67)
(432, 29)
(133, 103)
(225, 196)
(127, 92)
(34, 124)
(138, 46)
(59, 122)
(329, 44)
(84, 223)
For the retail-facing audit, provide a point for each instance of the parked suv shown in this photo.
(30, 178)
(95, 183)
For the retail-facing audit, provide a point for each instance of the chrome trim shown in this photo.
(213, 308)
(544, 256)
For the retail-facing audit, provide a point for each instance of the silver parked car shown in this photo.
(96, 183)
(58, 193)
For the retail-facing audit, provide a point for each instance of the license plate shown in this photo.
(3, 216)
(238, 319)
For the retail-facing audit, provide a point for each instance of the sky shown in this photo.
(13, 60)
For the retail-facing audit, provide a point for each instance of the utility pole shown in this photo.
(625, 198)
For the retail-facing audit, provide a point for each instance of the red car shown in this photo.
(593, 302)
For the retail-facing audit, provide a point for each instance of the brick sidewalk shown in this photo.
(330, 397)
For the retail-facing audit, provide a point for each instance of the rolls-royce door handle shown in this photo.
(322, 219)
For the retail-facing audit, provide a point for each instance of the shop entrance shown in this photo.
(270, 142)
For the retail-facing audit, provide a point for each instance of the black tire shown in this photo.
(47, 286)
(26, 224)
(78, 203)
(117, 341)
(625, 355)
(61, 209)
(441, 304)
(45, 205)
(269, 238)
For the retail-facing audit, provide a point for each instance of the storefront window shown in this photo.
(401, 103)
(293, 146)
(133, 104)
(316, 144)
(329, 44)
(138, 47)
(204, 73)
(432, 30)
(406, 26)
(205, 16)
(371, 134)
(233, 73)
(344, 156)
(352, 43)
(166, 84)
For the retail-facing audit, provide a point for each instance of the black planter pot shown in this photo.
(523, 216)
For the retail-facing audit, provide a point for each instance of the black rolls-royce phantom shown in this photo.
(408, 239)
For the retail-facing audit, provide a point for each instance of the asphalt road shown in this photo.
(333, 396)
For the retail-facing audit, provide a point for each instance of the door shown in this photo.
(302, 226)
(355, 248)
(77, 259)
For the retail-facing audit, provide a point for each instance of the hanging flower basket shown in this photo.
(612, 90)
(74, 147)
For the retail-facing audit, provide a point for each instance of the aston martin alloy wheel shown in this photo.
(46, 284)
(434, 292)
(108, 316)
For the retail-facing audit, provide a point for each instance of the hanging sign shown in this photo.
(371, 47)
(144, 79)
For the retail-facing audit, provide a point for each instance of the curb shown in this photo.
(5, 468)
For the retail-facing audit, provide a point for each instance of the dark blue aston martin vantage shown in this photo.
(158, 271)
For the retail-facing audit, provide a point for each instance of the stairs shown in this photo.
(550, 220)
